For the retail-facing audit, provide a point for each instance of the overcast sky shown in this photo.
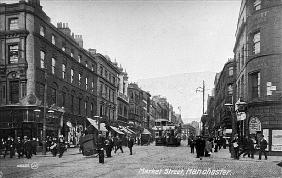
(154, 38)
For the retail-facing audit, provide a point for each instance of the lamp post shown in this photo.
(202, 89)
(234, 121)
(98, 120)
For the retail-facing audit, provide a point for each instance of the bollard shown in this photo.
(101, 155)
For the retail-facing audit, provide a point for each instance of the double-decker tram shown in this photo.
(167, 133)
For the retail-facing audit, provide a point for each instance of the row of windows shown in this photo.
(63, 69)
(106, 92)
(110, 77)
(15, 90)
(42, 32)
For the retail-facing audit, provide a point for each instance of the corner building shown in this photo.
(37, 60)
(258, 54)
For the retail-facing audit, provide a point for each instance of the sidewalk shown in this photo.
(225, 154)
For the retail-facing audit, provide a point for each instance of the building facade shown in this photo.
(108, 83)
(43, 67)
(257, 52)
(123, 99)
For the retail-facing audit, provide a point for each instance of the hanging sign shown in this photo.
(254, 125)
(241, 116)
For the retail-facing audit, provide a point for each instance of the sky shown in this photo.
(153, 38)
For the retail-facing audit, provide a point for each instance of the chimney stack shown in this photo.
(79, 40)
(63, 27)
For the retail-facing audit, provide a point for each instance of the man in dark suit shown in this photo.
(130, 143)
(27, 147)
(263, 146)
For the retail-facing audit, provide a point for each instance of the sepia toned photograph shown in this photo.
(140, 88)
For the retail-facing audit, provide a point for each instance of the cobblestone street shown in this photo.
(146, 161)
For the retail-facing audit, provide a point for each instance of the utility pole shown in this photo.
(44, 114)
(202, 89)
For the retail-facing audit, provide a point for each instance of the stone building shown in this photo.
(139, 108)
(43, 68)
(123, 99)
(258, 55)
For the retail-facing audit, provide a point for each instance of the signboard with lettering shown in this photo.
(254, 125)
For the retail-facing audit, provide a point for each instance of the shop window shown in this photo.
(23, 89)
(53, 96)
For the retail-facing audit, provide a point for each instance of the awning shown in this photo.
(95, 124)
(116, 130)
(146, 132)
(127, 130)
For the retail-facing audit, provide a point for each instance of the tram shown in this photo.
(166, 133)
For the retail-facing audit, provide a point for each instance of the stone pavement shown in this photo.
(166, 160)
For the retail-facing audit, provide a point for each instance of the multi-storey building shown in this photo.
(223, 94)
(43, 65)
(258, 54)
(163, 106)
(139, 108)
(108, 83)
(123, 99)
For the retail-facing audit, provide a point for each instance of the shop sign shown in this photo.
(254, 125)
(276, 140)
(241, 116)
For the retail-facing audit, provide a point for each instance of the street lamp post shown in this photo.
(202, 89)
(44, 113)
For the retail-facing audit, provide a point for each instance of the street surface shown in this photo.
(146, 161)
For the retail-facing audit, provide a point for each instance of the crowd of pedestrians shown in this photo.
(206, 145)
(246, 146)
(20, 146)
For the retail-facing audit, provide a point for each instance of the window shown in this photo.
(92, 86)
(63, 71)
(72, 52)
(63, 98)
(79, 79)
(79, 58)
(242, 57)
(255, 84)
(106, 74)
(257, 4)
(14, 92)
(79, 105)
(72, 75)
(230, 89)
(101, 71)
(53, 65)
(242, 86)
(42, 59)
(72, 103)
(13, 54)
(101, 89)
(113, 80)
(42, 31)
(85, 107)
(256, 43)
(23, 89)
(230, 71)
(53, 39)
(86, 64)
(92, 68)
(53, 96)
(13, 23)
(64, 46)
(92, 108)
(86, 83)
(3, 95)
